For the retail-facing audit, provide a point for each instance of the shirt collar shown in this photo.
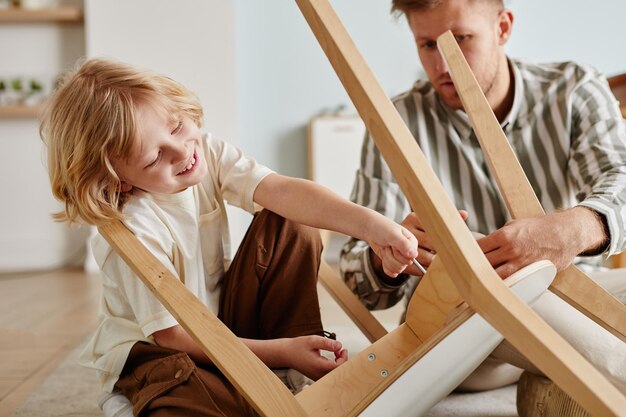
(518, 96)
(460, 119)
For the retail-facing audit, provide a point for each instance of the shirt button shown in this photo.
(178, 373)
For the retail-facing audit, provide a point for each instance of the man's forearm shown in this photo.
(595, 231)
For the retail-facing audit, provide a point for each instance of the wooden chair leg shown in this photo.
(619, 260)
(475, 279)
(571, 284)
(537, 396)
(350, 304)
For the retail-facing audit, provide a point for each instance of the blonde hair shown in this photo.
(90, 121)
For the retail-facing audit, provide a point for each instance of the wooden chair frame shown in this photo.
(460, 273)
(618, 86)
(571, 284)
(617, 83)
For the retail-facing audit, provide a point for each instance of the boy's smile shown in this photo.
(168, 154)
(189, 167)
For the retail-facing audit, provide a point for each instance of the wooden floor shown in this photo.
(43, 316)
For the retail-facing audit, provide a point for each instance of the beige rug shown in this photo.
(72, 391)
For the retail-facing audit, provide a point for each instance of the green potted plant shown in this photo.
(13, 94)
(3, 88)
(34, 95)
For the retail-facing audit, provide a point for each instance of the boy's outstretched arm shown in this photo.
(300, 353)
(309, 203)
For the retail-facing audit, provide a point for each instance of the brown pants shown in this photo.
(269, 292)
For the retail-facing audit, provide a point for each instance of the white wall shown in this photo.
(29, 239)
(557, 30)
(259, 73)
(191, 41)
(283, 77)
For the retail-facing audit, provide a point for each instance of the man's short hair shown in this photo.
(400, 7)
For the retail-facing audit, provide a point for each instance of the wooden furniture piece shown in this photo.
(618, 87)
(16, 15)
(460, 268)
(476, 281)
(334, 151)
(571, 284)
(396, 361)
(351, 305)
(62, 14)
(19, 110)
(537, 396)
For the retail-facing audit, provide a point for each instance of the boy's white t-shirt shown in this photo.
(188, 233)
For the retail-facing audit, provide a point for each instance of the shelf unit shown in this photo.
(61, 14)
(16, 15)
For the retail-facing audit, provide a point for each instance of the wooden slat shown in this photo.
(477, 282)
(571, 284)
(349, 389)
(261, 388)
(19, 111)
(618, 260)
(360, 315)
(433, 301)
(346, 390)
(65, 14)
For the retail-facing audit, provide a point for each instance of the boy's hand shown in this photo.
(393, 244)
(392, 262)
(304, 354)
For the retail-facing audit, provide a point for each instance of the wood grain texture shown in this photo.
(433, 302)
(537, 396)
(474, 278)
(360, 315)
(348, 389)
(60, 14)
(261, 388)
(571, 284)
(617, 83)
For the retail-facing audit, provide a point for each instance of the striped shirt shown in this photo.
(567, 131)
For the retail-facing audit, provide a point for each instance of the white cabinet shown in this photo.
(334, 148)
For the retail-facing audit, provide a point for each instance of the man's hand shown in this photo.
(557, 237)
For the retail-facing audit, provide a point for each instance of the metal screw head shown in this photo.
(384, 373)
(371, 357)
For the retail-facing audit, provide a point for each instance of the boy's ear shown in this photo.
(125, 187)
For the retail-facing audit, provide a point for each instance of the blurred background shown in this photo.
(259, 72)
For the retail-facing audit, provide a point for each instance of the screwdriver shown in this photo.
(419, 266)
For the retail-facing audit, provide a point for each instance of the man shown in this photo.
(566, 129)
